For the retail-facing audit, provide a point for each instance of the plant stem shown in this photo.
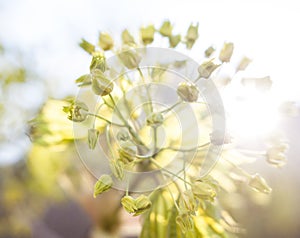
(168, 171)
(147, 90)
(170, 108)
(186, 150)
(106, 120)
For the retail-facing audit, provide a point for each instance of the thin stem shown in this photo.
(130, 129)
(106, 120)
(185, 150)
(184, 173)
(147, 90)
(170, 108)
(237, 168)
(168, 171)
(155, 139)
(196, 80)
(252, 153)
(175, 203)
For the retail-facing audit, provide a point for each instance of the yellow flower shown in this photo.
(127, 38)
(185, 222)
(93, 135)
(98, 62)
(245, 61)
(187, 202)
(127, 152)
(87, 46)
(103, 184)
(136, 206)
(204, 191)
(191, 36)
(105, 41)
(130, 58)
(101, 85)
(174, 40)
(147, 34)
(117, 167)
(259, 184)
(226, 52)
(207, 68)
(77, 111)
(276, 154)
(155, 120)
(187, 92)
(166, 29)
(209, 51)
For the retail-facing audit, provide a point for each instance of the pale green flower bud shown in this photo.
(127, 38)
(209, 51)
(130, 58)
(187, 202)
(122, 135)
(276, 156)
(106, 42)
(187, 92)
(207, 68)
(174, 40)
(185, 222)
(147, 34)
(245, 61)
(87, 46)
(103, 184)
(155, 120)
(226, 52)
(127, 152)
(93, 135)
(259, 184)
(204, 191)
(101, 85)
(143, 203)
(191, 36)
(77, 111)
(98, 62)
(129, 204)
(117, 167)
(166, 29)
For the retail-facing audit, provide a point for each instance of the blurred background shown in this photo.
(40, 59)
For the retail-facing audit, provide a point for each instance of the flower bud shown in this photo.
(127, 38)
(155, 120)
(117, 167)
(174, 40)
(243, 64)
(143, 203)
(104, 183)
(187, 92)
(226, 52)
(101, 85)
(204, 191)
(98, 62)
(185, 222)
(136, 206)
(130, 58)
(127, 152)
(166, 29)
(207, 68)
(77, 111)
(129, 204)
(147, 34)
(259, 184)
(93, 135)
(122, 135)
(219, 137)
(187, 202)
(191, 36)
(276, 156)
(105, 41)
(87, 46)
(209, 51)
